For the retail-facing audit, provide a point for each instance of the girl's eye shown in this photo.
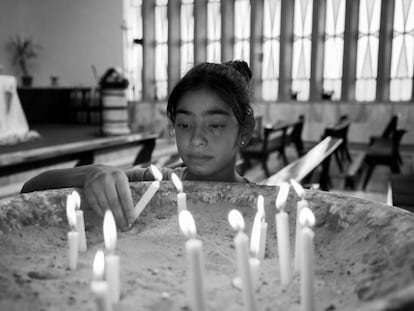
(217, 126)
(183, 125)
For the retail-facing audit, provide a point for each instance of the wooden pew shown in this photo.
(301, 170)
(354, 170)
(401, 191)
(272, 140)
(81, 151)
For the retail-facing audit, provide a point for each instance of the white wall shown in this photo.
(74, 35)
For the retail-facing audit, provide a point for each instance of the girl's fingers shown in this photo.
(127, 205)
(93, 203)
(114, 202)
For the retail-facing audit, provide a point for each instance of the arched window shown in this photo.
(367, 53)
(187, 35)
(302, 48)
(161, 49)
(213, 31)
(271, 47)
(242, 30)
(402, 51)
(334, 48)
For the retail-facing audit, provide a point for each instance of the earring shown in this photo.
(242, 142)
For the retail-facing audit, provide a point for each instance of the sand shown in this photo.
(364, 252)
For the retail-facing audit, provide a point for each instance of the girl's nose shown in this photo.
(198, 138)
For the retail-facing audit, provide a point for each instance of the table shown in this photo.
(82, 151)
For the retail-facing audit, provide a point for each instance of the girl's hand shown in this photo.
(107, 187)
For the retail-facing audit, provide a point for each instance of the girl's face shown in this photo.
(207, 135)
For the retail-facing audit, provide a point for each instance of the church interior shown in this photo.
(332, 89)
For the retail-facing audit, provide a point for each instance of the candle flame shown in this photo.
(156, 172)
(76, 199)
(298, 189)
(260, 206)
(306, 217)
(177, 182)
(70, 212)
(236, 220)
(282, 196)
(187, 224)
(109, 230)
(99, 265)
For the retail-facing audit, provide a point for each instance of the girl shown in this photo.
(212, 118)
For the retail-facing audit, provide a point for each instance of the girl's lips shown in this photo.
(199, 158)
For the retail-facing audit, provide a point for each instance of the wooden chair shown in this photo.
(384, 152)
(266, 140)
(295, 136)
(388, 131)
(303, 169)
(340, 130)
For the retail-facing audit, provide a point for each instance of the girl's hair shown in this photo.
(229, 80)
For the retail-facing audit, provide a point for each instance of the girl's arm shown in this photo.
(59, 178)
(104, 187)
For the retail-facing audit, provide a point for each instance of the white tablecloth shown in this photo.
(13, 122)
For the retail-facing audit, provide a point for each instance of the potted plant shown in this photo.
(23, 49)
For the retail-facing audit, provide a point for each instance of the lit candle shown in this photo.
(282, 229)
(99, 286)
(300, 204)
(194, 253)
(241, 242)
(148, 194)
(307, 220)
(181, 196)
(73, 235)
(80, 224)
(259, 231)
(112, 274)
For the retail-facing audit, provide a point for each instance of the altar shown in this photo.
(13, 123)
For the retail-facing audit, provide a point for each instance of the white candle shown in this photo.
(194, 254)
(73, 235)
(263, 239)
(254, 270)
(99, 286)
(241, 242)
(300, 204)
(256, 234)
(307, 220)
(80, 223)
(112, 272)
(254, 264)
(148, 194)
(282, 229)
(181, 196)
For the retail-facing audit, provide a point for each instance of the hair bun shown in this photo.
(241, 67)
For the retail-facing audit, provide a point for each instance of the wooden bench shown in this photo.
(340, 130)
(81, 151)
(401, 188)
(354, 170)
(302, 169)
(272, 140)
